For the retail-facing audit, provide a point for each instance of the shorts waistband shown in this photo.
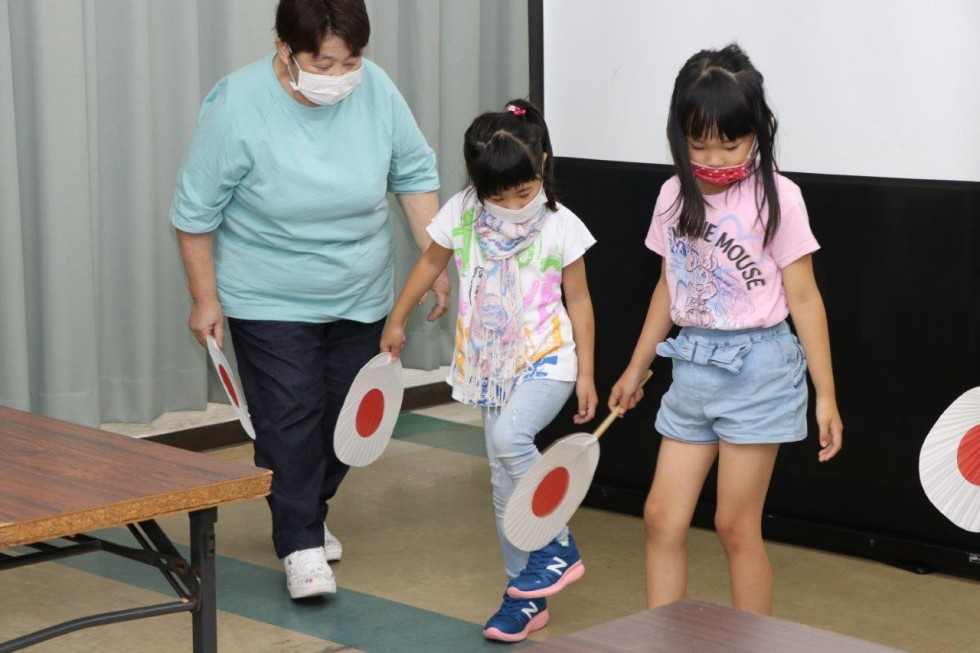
(722, 337)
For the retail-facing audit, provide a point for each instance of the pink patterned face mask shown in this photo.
(720, 176)
(724, 175)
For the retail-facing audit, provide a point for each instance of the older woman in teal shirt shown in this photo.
(282, 218)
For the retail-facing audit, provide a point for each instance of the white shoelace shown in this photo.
(308, 562)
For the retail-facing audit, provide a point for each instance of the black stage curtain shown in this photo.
(900, 276)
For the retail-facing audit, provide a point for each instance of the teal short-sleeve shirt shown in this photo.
(297, 196)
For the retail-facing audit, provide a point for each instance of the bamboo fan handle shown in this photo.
(606, 423)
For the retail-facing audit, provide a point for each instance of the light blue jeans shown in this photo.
(510, 433)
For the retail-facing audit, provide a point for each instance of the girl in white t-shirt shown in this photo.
(736, 246)
(519, 353)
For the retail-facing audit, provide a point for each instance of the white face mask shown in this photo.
(324, 89)
(530, 210)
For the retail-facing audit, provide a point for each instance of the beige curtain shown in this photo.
(97, 100)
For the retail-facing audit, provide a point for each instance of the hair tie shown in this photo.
(516, 110)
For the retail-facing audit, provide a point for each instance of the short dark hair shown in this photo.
(504, 149)
(303, 24)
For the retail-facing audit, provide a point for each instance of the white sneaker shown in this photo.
(308, 574)
(331, 545)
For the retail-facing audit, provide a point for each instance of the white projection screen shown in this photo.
(879, 88)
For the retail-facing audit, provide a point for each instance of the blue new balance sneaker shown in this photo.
(549, 570)
(516, 619)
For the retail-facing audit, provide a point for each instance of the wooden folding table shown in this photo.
(59, 481)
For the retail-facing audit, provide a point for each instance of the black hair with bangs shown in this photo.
(720, 93)
(504, 149)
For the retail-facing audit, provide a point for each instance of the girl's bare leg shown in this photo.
(744, 472)
(681, 470)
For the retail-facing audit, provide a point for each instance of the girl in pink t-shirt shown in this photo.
(736, 247)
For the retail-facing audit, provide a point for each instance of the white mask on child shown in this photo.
(324, 89)
(530, 210)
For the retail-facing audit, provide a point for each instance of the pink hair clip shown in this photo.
(517, 111)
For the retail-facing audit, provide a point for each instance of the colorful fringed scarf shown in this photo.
(495, 347)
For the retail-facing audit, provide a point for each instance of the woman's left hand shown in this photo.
(440, 288)
(831, 429)
(588, 399)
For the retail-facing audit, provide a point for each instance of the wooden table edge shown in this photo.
(126, 512)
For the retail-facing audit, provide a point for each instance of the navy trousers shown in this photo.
(295, 376)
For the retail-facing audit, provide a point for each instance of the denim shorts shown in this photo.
(744, 387)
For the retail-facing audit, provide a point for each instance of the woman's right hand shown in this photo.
(627, 391)
(440, 288)
(393, 340)
(207, 319)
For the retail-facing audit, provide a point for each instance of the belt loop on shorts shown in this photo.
(701, 353)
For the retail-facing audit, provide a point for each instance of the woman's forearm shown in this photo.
(195, 251)
(419, 209)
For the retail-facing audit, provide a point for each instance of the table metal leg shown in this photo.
(193, 582)
(205, 621)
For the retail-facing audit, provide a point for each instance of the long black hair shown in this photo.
(504, 149)
(720, 93)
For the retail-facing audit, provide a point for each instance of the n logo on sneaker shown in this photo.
(557, 567)
(531, 609)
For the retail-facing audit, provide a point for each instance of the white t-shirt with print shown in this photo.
(562, 241)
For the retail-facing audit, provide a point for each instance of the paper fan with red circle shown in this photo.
(231, 387)
(551, 491)
(949, 462)
(367, 418)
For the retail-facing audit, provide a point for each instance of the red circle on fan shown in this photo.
(968, 455)
(370, 413)
(229, 386)
(550, 492)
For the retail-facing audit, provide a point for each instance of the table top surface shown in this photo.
(58, 478)
(688, 626)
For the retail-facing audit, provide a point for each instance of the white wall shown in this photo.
(885, 88)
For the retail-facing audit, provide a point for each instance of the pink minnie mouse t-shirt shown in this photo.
(726, 279)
